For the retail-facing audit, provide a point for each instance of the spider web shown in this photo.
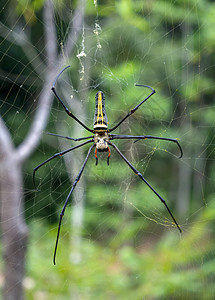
(116, 225)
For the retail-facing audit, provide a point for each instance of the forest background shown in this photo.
(117, 240)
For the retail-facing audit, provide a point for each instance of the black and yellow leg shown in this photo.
(67, 200)
(146, 182)
(109, 153)
(96, 157)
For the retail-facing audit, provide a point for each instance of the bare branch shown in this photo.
(46, 97)
(19, 37)
(50, 33)
(5, 140)
(77, 26)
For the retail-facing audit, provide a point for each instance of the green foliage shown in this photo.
(28, 8)
(127, 11)
(172, 266)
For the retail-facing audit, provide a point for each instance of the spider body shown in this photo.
(101, 137)
(101, 141)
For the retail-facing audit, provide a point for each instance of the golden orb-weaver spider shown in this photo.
(101, 140)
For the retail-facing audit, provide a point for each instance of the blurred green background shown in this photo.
(117, 239)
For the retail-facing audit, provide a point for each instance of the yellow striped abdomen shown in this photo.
(100, 117)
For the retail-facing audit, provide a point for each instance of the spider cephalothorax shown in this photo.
(101, 140)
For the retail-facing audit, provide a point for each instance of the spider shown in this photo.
(101, 142)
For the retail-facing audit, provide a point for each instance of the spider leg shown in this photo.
(69, 113)
(144, 137)
(135, 108)
(70, 138)
(96, 156)
(56, 155)
(146, 182)
(108, 158)
(67, 199)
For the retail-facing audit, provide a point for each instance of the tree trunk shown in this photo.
(14, 229)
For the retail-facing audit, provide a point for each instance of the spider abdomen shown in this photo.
(100, 117)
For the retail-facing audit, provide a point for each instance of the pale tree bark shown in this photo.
(185, 172)
(14, 229)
